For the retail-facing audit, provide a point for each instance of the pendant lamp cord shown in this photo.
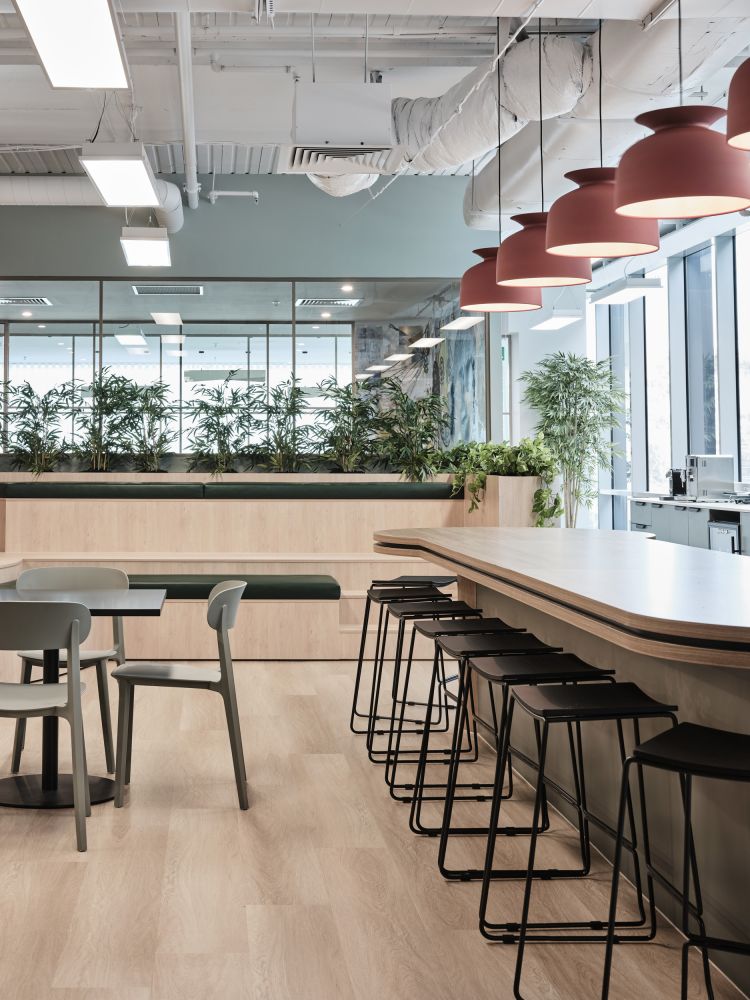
(679, 46)
(499, 144)
(601, 124)
(541, 119)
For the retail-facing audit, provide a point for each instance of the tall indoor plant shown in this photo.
(347, 430)
(224, 420)
(578, 402)
(411, 431)
(35, 438)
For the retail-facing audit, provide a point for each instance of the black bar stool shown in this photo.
(432, 629)
(380, 593)
(690, 751)
(404, 612)
(503, 642)
(558, 704)
(508, 672)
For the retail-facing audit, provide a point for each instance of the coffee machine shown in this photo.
(677, 482)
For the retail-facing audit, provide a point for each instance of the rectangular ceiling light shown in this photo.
(78, 42)
(130, 339)
(559, 319)
(623, 291)
(399, 357)
(379, 368)
(138, 350)
(146, 246)
(427, 342)
(463, 323)
(121, 173)
(361, 376)
(167, 319)
(172, 338)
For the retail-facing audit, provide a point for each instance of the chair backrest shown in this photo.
(73, 578)
(226, 595)
(41, 624)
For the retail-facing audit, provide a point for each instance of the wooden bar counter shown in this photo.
(673, 619)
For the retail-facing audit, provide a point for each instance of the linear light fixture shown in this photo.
(399, 357)
(427, 342)
(560, 318)
(623, 291)
(167, 319)
(379, 368)
(146, 246)
(176, 354)
(121, 173)
(172, 338)
(138, 350)
(362, 376)
(78, 42)
(462, 323)
(130, 339)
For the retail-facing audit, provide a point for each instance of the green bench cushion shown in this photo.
(105, 491)
(328, 491)
(260, 587)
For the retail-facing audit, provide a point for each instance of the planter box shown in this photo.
(507, 503)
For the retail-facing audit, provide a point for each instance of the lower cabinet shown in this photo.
(661, 522)
(745, 534)
(697, 521)
(680, 525)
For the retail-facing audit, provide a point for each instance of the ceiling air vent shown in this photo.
(338, 159)
(328, 303)
(168, 289)
(24, 300)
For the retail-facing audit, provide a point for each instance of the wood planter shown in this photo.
(507, 503)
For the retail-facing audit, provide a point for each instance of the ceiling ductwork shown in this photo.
(640, 71)
(434, 134)
(78, 191)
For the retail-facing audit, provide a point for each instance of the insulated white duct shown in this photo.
(343, 184)
(640, 72)
(430, 134)
(76, 191)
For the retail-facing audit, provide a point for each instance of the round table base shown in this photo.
(24, 791)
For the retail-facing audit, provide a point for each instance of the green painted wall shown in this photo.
(415, 229)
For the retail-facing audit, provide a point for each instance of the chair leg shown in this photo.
(80, 778)
(235, 742)
(102, 683)
(19, 741)
(129, 732)
(124, 714)
(621, 816)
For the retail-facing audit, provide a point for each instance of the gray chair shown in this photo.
(75, 578)
(54, 625)
(223, 605)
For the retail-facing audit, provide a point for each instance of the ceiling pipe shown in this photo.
(185, 70)
(73, 192)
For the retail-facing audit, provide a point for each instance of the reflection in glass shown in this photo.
(700, 330)
(658, 412)
(742, 270)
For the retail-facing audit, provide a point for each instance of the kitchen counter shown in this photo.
(709, 504)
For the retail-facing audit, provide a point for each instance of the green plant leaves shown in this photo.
(34, 437)
(225, 418)
(410, 431)
(348, 430)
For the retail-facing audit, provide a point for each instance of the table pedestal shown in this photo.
(27, 791)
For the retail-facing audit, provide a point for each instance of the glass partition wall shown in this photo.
(189, 334)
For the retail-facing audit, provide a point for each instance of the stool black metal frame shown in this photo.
(732, 770)
(560, 668)
(404, 583)
(563, 931)
(508, 641)
(404, 612)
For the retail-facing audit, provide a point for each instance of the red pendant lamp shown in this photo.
(738, 108)
(479, 290)
(481, 293)
(583, 223)
(523, 261)
(685, 170)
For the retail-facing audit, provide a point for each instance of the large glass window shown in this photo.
(742, 272)
(700, 331)
(658, 411)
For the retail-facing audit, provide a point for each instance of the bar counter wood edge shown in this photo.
(674, 620)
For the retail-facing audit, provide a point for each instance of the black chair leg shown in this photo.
(102, 684)
(616, 878)
(19, 740)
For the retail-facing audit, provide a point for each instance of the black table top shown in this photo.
(99, 602)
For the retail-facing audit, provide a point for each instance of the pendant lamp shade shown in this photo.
(523, 261)
(481, 293)
(583, 223)
(685, 170)
(738, 108)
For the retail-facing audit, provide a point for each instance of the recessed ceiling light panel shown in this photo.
(463, 323)
(146, 246)
(623, 291)
(166, 319)
(121, 173)
(130, 339)
(427, 342)
(558, 320)
(78, 42)
(399, 357)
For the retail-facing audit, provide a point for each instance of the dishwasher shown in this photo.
(724, 536)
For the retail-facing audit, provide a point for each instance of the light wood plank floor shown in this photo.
(318, 892)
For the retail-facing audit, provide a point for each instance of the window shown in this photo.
(658, 412)
(700, 332)
(742, 271)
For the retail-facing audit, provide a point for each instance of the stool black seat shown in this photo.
(500, 643)
(482, 626)
(387, 595)
(431, 609)
(699, 750)
(539, 669)
(416, 581)
(691, 751)
(561, 703)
